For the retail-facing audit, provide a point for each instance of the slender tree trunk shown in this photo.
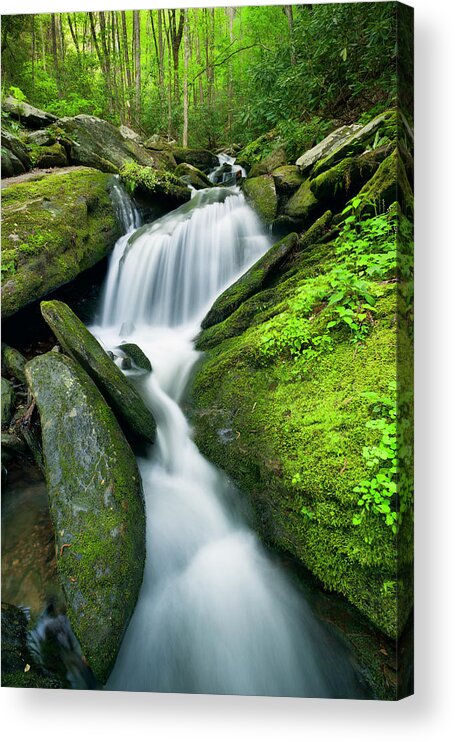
(137, 61)
(186, 53)
(55, 54)
(43, 44)
(287, 10)
(33, 54)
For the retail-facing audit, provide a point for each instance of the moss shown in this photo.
(96, 504)
(53, 155)
(287, 178)
(152, 182)
(303, 204)
(83, 347)
(53, 228)
(276, 158)
(298, 435)
(336, 185)
(389, 184)
(261, 193)
(252, 281)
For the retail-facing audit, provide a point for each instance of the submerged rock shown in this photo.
(137, 355)
(95, 495)
(84, 348)
(54, 227)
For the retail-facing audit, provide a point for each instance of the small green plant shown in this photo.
(378, 494)
(134, 176)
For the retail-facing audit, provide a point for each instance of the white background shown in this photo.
(66, 716)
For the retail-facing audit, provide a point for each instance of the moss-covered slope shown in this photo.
(53, 228)
(294, 383)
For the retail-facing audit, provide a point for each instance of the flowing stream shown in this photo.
(216, 614)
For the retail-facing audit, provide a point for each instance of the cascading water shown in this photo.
(215, 613)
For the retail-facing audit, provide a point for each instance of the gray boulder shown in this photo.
(84, 348)
(28, 115)
(13, 362)
(331, 142)
(192, 176)
(96, 503)
(16, 152)
(200, 158)
(99, 144)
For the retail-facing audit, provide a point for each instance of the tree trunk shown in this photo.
(137, 61)
(186, 53)
(55, 54)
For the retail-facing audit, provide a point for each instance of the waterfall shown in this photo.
(216, 614)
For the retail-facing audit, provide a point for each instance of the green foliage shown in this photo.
(378, 493)
(17, 93)
(135, 176)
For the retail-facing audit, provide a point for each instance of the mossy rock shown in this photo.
(99, 144)
(192, 176)
(269, 163)
(337, 185)
(287, 178)
(389, 184)
(28, 115)
(53, 155)
(96, 501)
(303, 204)
(85, 349)
(255, 279)
(15, 157)
(137, 355)
(329, 144)
(260, 192)
(202, 159)
(13, 362)
(54, 227)
(154, 185)
(361, 138)
(299, 433)
(7, 402)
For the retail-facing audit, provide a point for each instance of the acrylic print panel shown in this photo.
(207, 371)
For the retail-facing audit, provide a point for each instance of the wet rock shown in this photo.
(287, 178)
(193, 176)
(137, 355)
(7, 402)
(54, 227)
(13, 362)
(96, 503)
(261, 194)
(335, 186)
(28, 115)
(119, 392)
(126, 364)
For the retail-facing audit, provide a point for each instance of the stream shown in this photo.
(216, 613)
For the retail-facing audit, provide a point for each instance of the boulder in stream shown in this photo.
(96, 502)
(137, 356)
(261, 194)
(85, 349)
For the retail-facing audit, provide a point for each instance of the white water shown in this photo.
(215, 614)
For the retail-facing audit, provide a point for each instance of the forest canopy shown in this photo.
(208, 76)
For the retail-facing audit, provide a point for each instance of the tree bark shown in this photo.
(137, 61)
(186, 52)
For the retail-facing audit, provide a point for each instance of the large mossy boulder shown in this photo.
(303, 204)
(270, 163)
(203, 159)
(84, 348)
(255, 279)
(99, 144)
(389, 184)
(156, 186)
(260, 192)
(54, 227)
(287, 178)
(15, 157)
(337, 185)
(29, 116)
(96, 502)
